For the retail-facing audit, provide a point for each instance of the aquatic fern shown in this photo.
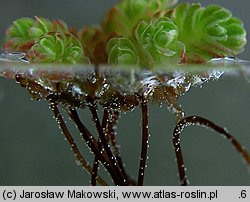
(44, 41)
(56, 47)
(122, 51)
(122, 18)
(139, 32)
(136, 32)
(159, 38)
(193, 34)
(208, 32)
(119, 21)
(151, 44)
(18, 36)
(24, 32)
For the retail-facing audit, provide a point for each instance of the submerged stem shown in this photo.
(72, 143)
(195, 120)
(144, 143)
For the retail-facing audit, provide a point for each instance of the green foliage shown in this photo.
(122, 51)
(44, 41)
(122, 18)
(56, 47)
(208, 32)
(151, 44)
(135, 32)
(187, 33)
(24, 32)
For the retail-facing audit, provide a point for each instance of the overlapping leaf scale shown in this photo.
(208, 32)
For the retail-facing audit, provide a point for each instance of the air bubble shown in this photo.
(78, 162)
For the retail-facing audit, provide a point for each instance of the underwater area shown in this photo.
(33, 151)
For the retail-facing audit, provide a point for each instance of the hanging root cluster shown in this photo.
(149, 34)
(114, 92)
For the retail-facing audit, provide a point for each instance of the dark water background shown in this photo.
(33, 152)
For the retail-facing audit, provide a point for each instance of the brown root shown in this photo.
(196, 120)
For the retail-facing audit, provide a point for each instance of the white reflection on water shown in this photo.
(127, 77)
(229, 60)
(13, 57)
(21, 57)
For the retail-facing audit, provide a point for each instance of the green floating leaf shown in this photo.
(122, 18)
(55, 47)
(24, 32)
(151, 44)
(208, 32)
(122, 51)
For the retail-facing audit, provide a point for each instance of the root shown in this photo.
(93, 144)
(72, 143)
(195, 120)
(145, 137)
(105, 144)
(96, 162)
(112, 133)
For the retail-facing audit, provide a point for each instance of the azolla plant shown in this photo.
(120, 65)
